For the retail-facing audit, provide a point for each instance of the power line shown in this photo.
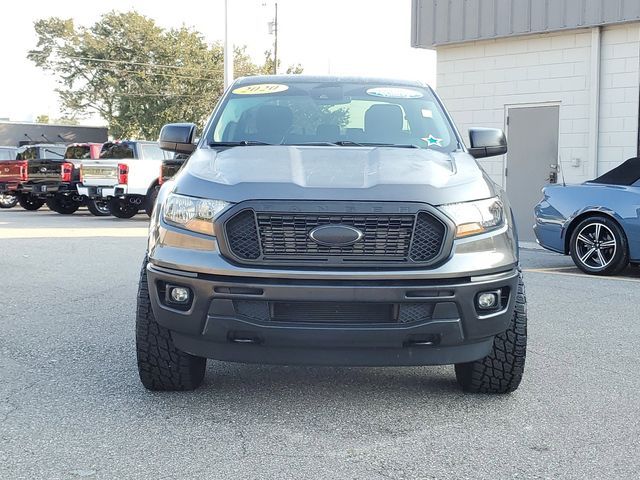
(127, 62)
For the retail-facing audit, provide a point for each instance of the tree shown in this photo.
(267, 67)
(135, 74)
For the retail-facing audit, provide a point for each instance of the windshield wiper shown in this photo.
(241, 143)
(55, 153)
(349, 143)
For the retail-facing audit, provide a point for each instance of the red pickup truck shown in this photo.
(11, 173)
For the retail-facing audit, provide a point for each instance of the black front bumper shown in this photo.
(447, 329)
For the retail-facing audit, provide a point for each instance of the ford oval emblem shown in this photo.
(43, 169)
(335, 235)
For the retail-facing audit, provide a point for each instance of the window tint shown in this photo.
(152, 151)
(52, 152)
(302, 112)
(7, 154)
(27, 153)
(78, 152)
(117, 150)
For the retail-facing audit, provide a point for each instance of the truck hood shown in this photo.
(277, 172)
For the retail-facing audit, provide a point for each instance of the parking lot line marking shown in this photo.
(546, 269)
(583, 275)
(13, 233)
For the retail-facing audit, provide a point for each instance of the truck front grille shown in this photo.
(277, 238)
(387, 236)
(334, 312)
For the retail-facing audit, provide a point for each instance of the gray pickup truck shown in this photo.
(331, 221)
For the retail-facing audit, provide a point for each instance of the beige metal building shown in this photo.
(562, 77)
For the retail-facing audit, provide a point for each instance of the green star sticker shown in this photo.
(432, 141)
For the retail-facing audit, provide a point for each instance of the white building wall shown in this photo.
(619, 88)
(479, 80)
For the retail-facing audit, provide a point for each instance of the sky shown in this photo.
(341, 37)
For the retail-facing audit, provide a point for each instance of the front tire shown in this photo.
(8, 200)
(501, 371)
(151, 200)
(63, 204)
(599, 246)
(29, 202)
(98, 207)
(161, 365)
(122, 208)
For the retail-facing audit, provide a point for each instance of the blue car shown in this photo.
(597, 222)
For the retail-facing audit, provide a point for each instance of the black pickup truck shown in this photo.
(45, 168)
(52, 175)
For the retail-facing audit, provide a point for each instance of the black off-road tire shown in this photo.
(618, 261)
(98, 208)
(161, 365)
(8, 200)
(29, 202)
(151, 200)
(501, 371)
(122, 208)
(63, 204)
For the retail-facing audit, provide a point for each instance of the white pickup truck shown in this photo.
(126, 175)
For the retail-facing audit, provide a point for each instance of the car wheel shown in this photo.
(98, 207)
(151, 200)
(121, 208)
(501, 371)
(599, 246)
(8, 201)
(63, 204)
(161, 365)
(29, 202)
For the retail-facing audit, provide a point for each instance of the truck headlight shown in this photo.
(191, 213)
(472, 218)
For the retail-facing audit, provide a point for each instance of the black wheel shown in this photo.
(98, 207)
(8, 200)
(122, 208)
(63, 204)
(599, 246)
(29, 202)
(500, 371)
(161, 365)
(151, 199)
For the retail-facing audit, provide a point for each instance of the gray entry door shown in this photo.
(531, 161)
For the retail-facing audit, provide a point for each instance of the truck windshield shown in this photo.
(7, 154)
(332, 113)
(78, 152)
(117, 150)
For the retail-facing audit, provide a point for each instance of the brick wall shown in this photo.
(478, 80)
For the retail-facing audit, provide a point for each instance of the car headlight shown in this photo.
(191, 213)
(472, 218)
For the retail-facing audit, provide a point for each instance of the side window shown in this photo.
(116, 151)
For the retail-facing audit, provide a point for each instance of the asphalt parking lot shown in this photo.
(71, 405)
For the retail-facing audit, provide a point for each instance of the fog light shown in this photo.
(179, 294)
(488, 300)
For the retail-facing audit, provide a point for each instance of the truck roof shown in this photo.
(326, 78)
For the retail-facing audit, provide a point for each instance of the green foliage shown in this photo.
(136, 75)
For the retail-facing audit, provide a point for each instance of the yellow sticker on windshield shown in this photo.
(260, 89)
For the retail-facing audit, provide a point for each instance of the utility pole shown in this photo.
(273, 30)
(228, 49)
(275, 45)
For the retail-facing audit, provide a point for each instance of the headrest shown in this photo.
(274, 119)
(381, 118)
(328, 131)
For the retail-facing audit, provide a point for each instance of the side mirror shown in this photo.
(487, 142)
(178, 137)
